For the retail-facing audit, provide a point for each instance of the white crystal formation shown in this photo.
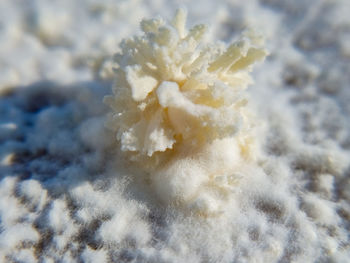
(172, 88)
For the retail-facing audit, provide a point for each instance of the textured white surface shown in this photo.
(66, 193)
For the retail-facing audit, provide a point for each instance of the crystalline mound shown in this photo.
(176, 98)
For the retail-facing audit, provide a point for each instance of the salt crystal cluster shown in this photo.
(176, 99)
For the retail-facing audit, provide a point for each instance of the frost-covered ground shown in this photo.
(66, 196)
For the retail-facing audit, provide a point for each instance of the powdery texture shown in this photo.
(68, 195)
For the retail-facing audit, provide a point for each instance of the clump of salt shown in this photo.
(180, 111)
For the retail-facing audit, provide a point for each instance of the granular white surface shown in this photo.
(66, 193)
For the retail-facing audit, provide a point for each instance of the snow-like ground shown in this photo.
(66, 196)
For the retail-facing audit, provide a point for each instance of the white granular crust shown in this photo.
(67, 192)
